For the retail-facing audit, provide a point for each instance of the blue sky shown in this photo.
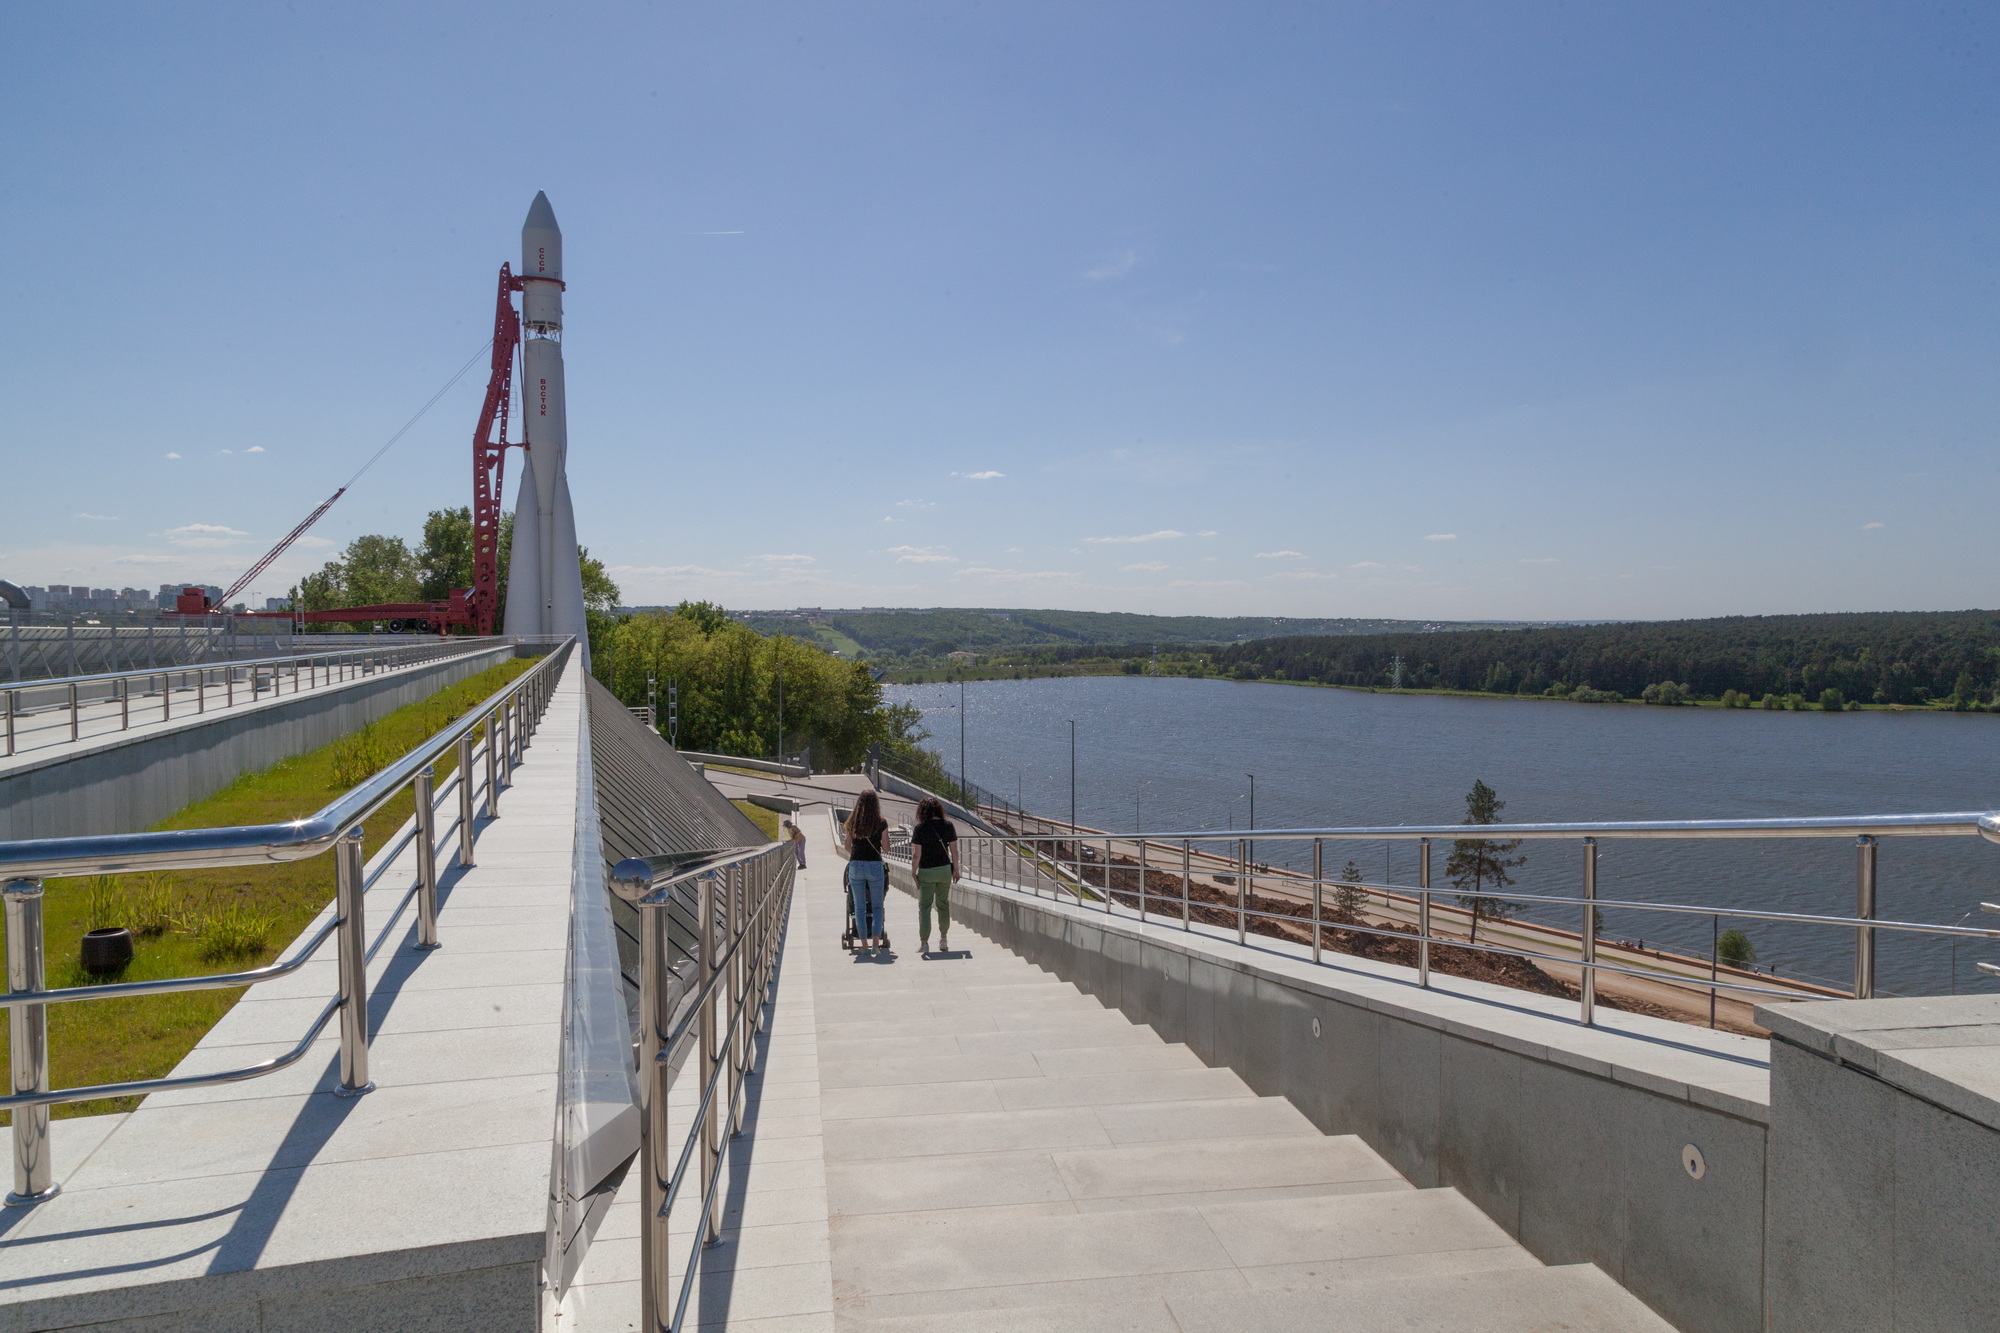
(1481, 310)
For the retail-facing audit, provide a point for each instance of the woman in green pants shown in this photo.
(934, 861)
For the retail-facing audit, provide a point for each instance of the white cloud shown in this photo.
(254, 449)
(1441, 537)
(988, 475)
(1164, 534)
(916, 504)
(1368, 564)
(1120, 263)
(1540, 560)
(1867, 526)
(624, 571)
(921, 555)
(785, 559)
(171, 454)
(203, 535)
(1210, 533)
(318, 542)
(101, 518)
(1206, 583)
(1301, 574)
(1280, 555)
(1149, 566)
(1016, 575)
(225, 451)
(149, 560)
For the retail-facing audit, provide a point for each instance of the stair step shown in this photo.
(1577, 1298)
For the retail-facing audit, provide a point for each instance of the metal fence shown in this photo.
(711, 927)
(1112, 873)
(202, 688)
(496, 731)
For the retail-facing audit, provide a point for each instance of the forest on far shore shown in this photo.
(1934, 658)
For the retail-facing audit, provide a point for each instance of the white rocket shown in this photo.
(544, 579)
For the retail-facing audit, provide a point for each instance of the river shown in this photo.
(1171, 753)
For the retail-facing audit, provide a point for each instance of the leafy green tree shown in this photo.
(599, 592)
(1734, 949)
(446, 554)
(708, 617)
(1476, 863)
(1831, 701)
(377, 569)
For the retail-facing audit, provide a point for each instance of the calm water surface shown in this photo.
(1171, 753)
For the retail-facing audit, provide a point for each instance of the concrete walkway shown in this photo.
(963, 1142)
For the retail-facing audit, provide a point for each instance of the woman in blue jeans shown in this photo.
(867, 877)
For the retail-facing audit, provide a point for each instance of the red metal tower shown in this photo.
(489, 460)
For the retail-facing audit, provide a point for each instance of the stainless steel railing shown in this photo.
(711, 928)
(206, 687)
(1090, 861)
(505, 719)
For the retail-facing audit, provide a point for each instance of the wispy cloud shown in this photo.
(1540, 560)
(225, 451)
(101, 518)
(1164, 534)
(1210, 533)
(1441, 537)
(992, 575)
(784, 559)
(1368, 564)
(921, 555)
(172, 455)
(1119, 264)
(319, 542)
(1301, 574)
(916, 504)
(1280, 555)
(1149, 566)
(202, 535)
(1865, 527)
(987, 475)
(254, 449)
(1206, 583)
(149, 560)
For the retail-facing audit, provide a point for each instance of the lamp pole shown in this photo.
(1253, 813)
(1072, 777)
(961, 738)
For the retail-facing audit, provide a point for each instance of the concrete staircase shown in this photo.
(1002, 1152)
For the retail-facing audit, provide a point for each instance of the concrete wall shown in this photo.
(133, 780)
(1571, 1138)
(1885, 1166)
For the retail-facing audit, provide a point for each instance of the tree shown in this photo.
(1734, 949)
(599, 592)
(1348, 895)
(377, 569)
(708, 617)
(446, 554)
(1831, 701)
(1476, 863)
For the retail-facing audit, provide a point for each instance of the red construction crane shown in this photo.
(476, 608)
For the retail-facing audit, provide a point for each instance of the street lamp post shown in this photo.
(1072, 798)
(1253, 812)
(961, 738)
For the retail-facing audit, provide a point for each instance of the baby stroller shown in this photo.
(850, 933)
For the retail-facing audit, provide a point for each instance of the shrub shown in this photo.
(233, 932)
(358, 757)
(1583, 694)
(150, 907)
(1772, 701)
(1734, 948)
(1832, 701)
(1665, 692)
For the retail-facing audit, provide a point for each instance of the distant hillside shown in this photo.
(1886, 657)
(941, 630)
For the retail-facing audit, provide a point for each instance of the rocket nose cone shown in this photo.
(540, 216)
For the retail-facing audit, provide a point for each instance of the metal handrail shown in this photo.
(507, 716)
(997, 855)
(743, 895)
(70, 687)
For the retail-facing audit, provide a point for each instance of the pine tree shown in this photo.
(1477, 863)
(1348, 895)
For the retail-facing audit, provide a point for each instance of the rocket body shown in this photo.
(544, 578)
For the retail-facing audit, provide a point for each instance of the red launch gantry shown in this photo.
(475, 609)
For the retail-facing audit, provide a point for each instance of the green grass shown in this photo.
(200, 922)
(762, 818)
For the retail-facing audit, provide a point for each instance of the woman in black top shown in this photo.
(867, 877)
(934, 862)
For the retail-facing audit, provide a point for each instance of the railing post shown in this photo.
(1142, 881)
(711, 1121)
(1107, 876)
(200, 690)
(124, 703)
(1242, 890)
(509, 728)
(1424, 912)
(229, 686)
(427, 862)
(10, 722)
(352, 964)
(656, 1160)
(1187, 869)
(515, 713)
(1864, 907)
(1319, 905)
(1587, 981)
(739, 990)
(493, 764)
(73, 728)
(28, 1035)
(466, 802)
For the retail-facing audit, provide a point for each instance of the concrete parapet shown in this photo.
(1571, 1138)
(134, 779)
(1885, 1165)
